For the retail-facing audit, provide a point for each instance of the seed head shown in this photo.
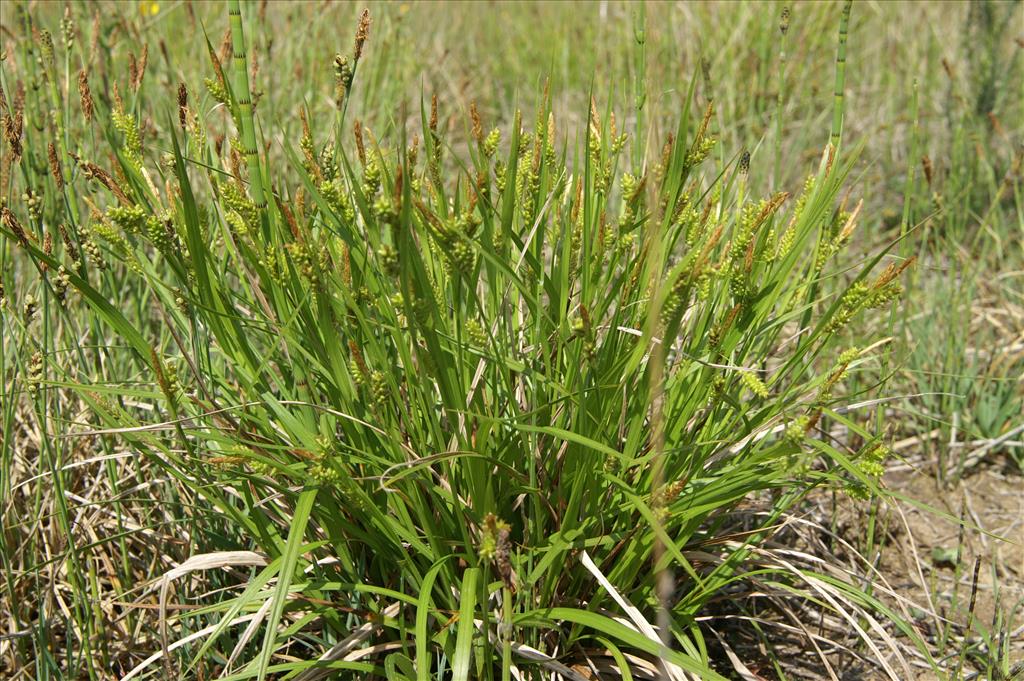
(85, 95)
(226, 50)
(47, 250)
(182, 105)
(137, 70)
(12, 133)
(69, 245)
(46, 51)
(478, 130)
(357, 132)
(362, 33)
(784, 20)
(55, 170)
(10, 221)
(343, 78)
(94, 172)
(754, 384)
(67, 28)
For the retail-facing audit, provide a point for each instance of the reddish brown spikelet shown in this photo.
(705, 252)
(47, 250)
(85, 95)
(346, 267)
(158, 369)
(12, 133)
(69, 245)
(10, 221)
(94, 172)
(706, 121)
(18, 103)
(926, 164)
(133, 70)
(892, 272)
(357, 132)
(235, 161)
(226, 50)
(727, 323)
(414, 150)
(578, 203)
(667, 150)
(478, 128)
(290, 219)
(433, 114)
(182, 105)
(813, 422)
(948, 68)
(58, 175)
(217, 68)
(362, 33)
(140, 71)
(357, 356)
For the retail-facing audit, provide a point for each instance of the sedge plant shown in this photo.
(468, 405)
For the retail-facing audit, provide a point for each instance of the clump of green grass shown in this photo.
(463, 408)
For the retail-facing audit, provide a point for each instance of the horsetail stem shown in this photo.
(838, 97)
(244, 99)
(783, 32)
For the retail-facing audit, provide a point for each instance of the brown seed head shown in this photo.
(85, 94)
(218, 70)
(133, 70)
(12, 133)
(55, 170)
(478, 129)
(182, 105)
(48, 251)
(69, 245)
(94, 172)
(362, 33)
(357, 132)
(433, 114)
(140, 72)
(357, 355)
(10, 221)
(926, 164)
(226, 50)
(414, 150)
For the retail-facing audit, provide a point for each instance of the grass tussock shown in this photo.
(455, 394)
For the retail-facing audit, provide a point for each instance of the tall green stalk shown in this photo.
(838, 96)
(783, 31)
(245, 104)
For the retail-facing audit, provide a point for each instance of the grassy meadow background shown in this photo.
(584, 340)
